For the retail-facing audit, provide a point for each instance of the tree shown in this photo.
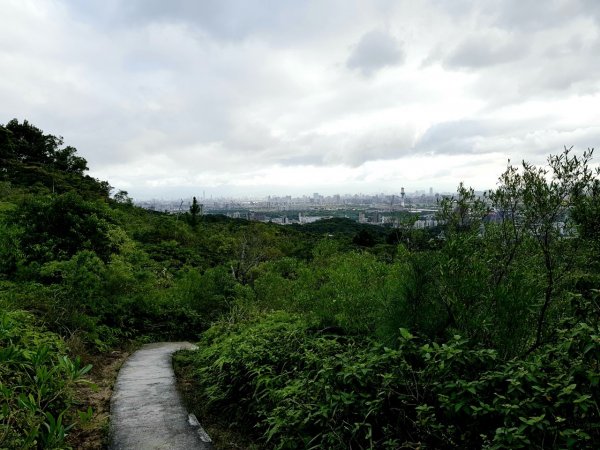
(535, 239)
(364, 238)
(460, 291)
(37, 161)
(122, 197)
(66, 161)
(7, 148)
(509, 257)
(253, 245)
(57, 227)
(195, 213)
(29, 144)
(546, 206)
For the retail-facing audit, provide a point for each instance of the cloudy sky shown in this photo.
(239, 97)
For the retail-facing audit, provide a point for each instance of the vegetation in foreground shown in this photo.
(483, 333)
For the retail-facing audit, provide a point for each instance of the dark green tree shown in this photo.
(38, 162)
(364, 238)
(29, 144)
(57, 227)
(123, 198)
(195, 213)
(66, 161)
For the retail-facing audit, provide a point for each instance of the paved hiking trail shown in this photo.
(146, 409)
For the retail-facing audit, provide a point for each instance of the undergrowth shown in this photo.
(295, 388)
(36, 382)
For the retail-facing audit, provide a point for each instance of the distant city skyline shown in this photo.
(380, 200)
(234, 97)
(208, 196)
(263, 195)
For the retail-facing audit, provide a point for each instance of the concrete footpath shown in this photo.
(147, 410)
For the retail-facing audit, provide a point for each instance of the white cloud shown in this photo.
(242, 96)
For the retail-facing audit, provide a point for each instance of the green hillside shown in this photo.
(483, 334)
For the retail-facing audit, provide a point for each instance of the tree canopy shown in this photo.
(33, 159)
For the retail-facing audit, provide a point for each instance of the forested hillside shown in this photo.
(483, 334)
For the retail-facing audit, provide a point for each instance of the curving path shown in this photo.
(146, 408)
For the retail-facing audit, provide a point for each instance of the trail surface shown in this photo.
(146, 408)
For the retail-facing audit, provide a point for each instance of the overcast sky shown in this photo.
(237, 97)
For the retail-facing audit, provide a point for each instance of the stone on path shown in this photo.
(147, 410)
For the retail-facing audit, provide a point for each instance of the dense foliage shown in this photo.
(36, 378)
(30, 158)
(481, 333)
(303, 389)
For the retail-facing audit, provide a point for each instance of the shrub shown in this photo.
(36, 378)
(302, 389)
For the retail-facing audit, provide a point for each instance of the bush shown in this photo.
(301, 389)
(57, 227)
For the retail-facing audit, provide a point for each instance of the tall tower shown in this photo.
(402, 195)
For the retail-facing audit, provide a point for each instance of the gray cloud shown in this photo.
(227, 19)
(531, 139)
(375, 50)
(563, 68)
(280, 22)
(458, 137)
(384, 144)
(350, 148)
(523, 62)
(487, 49)
(521, 15)
(530, 15)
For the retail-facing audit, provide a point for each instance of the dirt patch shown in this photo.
(92, 432)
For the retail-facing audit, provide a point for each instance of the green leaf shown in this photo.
(406, 334)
